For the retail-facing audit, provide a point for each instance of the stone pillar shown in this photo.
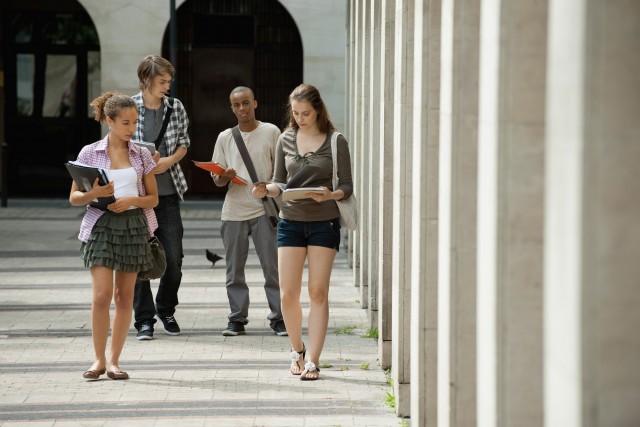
(385, 182)
(346, 244)
(374, 169)
(424, 212)
(356, 136)
(457, 214)
(592, 237)
(510, 212)
(362, 179)
(350, 118)
(402, 179)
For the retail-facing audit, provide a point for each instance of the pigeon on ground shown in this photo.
(212, 257)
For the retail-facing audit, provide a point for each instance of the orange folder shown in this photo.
(214, 167)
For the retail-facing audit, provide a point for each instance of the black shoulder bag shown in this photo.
(165, 123)
(270, 206)
(158, 255)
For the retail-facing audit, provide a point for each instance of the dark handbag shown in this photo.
(165, 123)
(158, 257)
(271, 208)
(272, 211)
(158, 261)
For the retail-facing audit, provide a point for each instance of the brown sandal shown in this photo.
(94, 374)
(118, 375)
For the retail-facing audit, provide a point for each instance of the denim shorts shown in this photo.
(309, 233)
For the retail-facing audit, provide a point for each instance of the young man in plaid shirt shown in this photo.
(155, 74)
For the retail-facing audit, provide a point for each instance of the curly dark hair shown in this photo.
(110, 104)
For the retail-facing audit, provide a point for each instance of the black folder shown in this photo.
(84, 176)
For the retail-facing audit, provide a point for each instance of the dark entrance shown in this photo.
(223, 44)
(51, 72)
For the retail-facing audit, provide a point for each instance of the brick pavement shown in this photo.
(199, 378)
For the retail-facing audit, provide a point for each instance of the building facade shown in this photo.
(57, 56)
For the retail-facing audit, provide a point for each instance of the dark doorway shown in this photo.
(52, 70)
(222, 44)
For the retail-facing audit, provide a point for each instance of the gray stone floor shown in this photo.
(199, 378)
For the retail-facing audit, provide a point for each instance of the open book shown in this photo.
(214, 167)
(300, 193)
(84, 177)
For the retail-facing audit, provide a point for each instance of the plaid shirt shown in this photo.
(175, 136)
(96, 155)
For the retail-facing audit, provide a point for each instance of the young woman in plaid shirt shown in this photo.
(114, 242)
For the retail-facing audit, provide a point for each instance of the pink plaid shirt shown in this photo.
(96, 155)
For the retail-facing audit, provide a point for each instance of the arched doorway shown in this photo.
(222, 44)
(51, 71)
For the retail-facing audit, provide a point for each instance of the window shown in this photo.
(26, 65)
(60, 86)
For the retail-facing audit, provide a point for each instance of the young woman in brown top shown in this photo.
(309, 229)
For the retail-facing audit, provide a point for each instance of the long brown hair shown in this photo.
(111, 104)
(308, 93)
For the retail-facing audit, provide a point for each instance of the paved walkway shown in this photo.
(199, 378)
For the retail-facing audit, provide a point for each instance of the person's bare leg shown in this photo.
(123, 297)
(290, 266)
(320, 267)
(102, 284)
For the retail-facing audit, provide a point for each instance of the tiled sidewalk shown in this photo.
(199, 378)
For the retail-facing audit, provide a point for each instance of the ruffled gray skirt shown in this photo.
(119, 241)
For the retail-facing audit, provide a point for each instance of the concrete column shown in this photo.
(374, 169)
(592, 237)
(402, 179)
(362, 186)
(355, 137)
(350, 69)
(457, 214)
(349, 131)
(510, 212)
(385, 182)
(424, 215)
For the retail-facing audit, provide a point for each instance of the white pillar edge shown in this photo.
(563, 213)
(487, 212)
(444, 213)
(418, 190)
(397, 272)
